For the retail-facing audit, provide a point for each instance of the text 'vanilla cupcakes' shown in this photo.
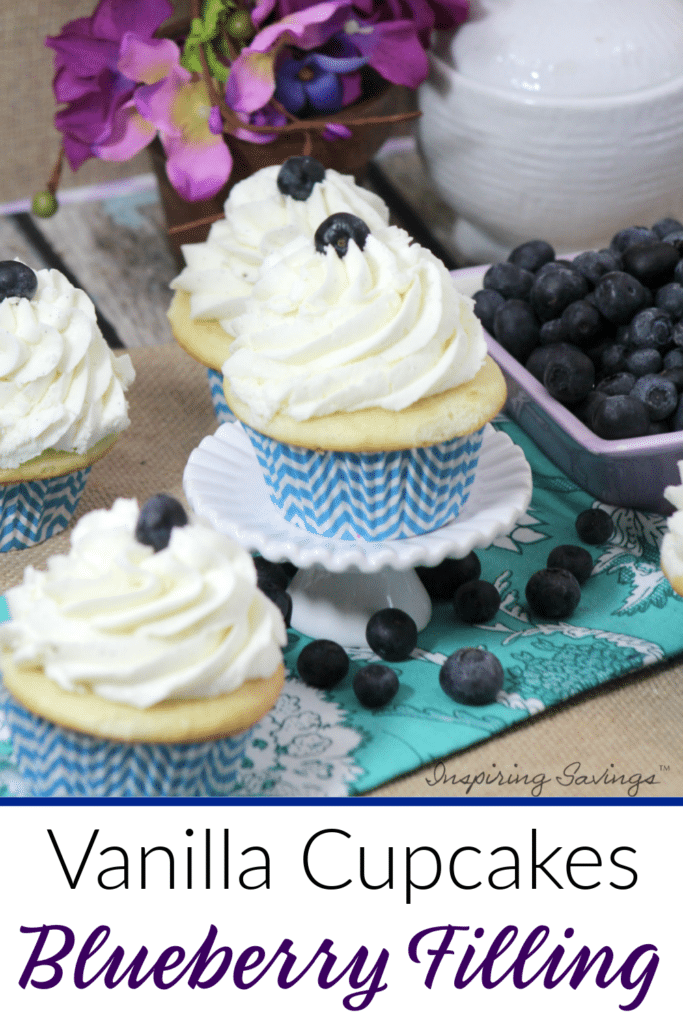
(137, 663)
(362, 378)
(62, 401)
(262, 214)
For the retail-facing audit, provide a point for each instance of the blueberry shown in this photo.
(675, 238)
(582, 323)
(658, 395)
(323, 664)
(665, 226)
(678, 272)
(17, 280)
(539, 359)
(552, 332)
(510, 281)
(532, 255)
(651, 328)
(620, 416)
(574, 559)
(515, 327)
(652, 263)
(441, 581)
(676, 420)
(475, 602)
(157, 518)
(627, 237)
(486, 303)
(471, 676)
(593, 265)
(672, 359)
(282, 599)
(392, 634)
(553, 593)
(569, 375)
(338, 230)
(270, 574)
(670, 298)
(619, 296)
(613, 358)
(594, 526)
(375, 685)
(643, 361)
(555, 287)
(298, 175)
(675, 375)
(617, 384)
(586, 410)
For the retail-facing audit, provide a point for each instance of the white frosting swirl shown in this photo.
(382, 327)
(672, 542)
(113, 617)
(259, 220)
(60, 385)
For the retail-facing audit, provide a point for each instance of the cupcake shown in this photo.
(262, 214)
(137, 669)
(672, 542)
(62, 401)
(362, 378)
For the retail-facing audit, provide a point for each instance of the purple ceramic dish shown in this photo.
(631, 473)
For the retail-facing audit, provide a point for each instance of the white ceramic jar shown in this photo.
(555, 119)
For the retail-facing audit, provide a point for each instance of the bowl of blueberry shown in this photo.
(592, 349)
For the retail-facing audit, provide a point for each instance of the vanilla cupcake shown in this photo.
(262, 214)
(362, 377)
(672, 542)
(62, 401)
(137, 669)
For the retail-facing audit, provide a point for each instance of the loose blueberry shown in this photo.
(323, 664)
(553, 593)
(471, 676)
(627, 237)
(613, 358)
(574, 559)
(532, 255)
(594, 526)
(618, 384)
(620, 416)
(658, 395)
(515, 327)
(375, 685)
(670, 298)
(157, 518)
(486, 304)
(569, 375)
(593, 265)
(476, 602)
(392, 634)
(651, 328)
(298, 175)
(540, 357)
(619, 296)
(17, 280)
(666, 226)
(675, 375)
(441, 581)
(582, 324)
(676, 421)
(338, 230)
(552, 332)
(643, 361)
(270, 574)
(281, 599)
(510, 281)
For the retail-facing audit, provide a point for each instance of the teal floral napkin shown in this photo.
(320, 744)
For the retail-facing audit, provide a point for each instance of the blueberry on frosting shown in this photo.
(298, 175)
(156, 520)
(17, 280)
(338, 230)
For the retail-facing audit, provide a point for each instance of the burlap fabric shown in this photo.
(631, 728)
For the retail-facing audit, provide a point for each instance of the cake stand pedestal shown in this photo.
(340, 583)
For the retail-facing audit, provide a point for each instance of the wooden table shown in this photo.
(115, 247)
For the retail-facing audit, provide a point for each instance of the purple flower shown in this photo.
(87, 77)
(316, 79)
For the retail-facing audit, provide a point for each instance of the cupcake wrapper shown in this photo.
(60, 762)
(372, 496)
(33, 510)
(220, 406)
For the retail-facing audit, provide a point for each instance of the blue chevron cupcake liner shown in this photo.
(33, 510)
(61, 762)
(372, 496)
(220, 406)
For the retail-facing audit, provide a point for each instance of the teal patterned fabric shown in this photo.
(324, 744)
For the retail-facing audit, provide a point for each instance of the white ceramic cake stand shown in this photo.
(340, 583)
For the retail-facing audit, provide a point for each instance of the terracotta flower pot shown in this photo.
(348, 156)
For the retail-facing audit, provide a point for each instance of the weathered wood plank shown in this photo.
(13, 245)
(117, 249)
